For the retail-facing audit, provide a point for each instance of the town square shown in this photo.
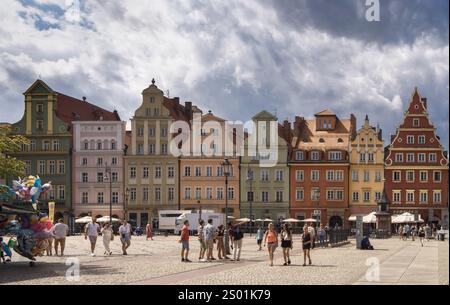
(207, 143)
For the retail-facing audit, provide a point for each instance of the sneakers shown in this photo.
(92, 254)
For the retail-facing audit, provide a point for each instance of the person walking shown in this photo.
(421, 234)
(108, 236)
(220, 245)
(184, 240)
(210, 234)
(312, 231)
(149, 231)
(259, 237)
(125, 236)
(91, 230)
(271, 239)
(60, 231)
(286, 243)
(236, 238)
(306, 244)
(413, 232)
(405, 232)
(427, 232)
(321, 234)
(201, 239)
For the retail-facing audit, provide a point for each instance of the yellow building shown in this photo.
(366, 169)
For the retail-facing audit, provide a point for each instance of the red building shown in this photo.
(416, 166)
(319, 168)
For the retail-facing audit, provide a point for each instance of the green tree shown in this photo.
(10, 144)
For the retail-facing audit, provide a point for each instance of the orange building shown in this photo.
(319, 168)
(202, 181)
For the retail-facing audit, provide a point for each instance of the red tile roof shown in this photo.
(71, 109)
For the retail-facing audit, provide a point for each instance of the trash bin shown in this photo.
(441, 236)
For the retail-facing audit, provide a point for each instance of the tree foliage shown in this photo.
(9, 145)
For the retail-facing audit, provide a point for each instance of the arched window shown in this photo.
(113, 145)
(99, 145)
(85, 145)
(92, 144)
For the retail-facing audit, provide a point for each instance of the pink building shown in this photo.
(98, 151)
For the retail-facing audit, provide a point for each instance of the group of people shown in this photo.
(423, 231)
(208, 236)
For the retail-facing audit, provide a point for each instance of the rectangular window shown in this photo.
(163, 132)
(171, 194)
(371, 157)
(198, 171)
(398, 157)
(230, 193)
(133, 194)
(39, 125)
(84, 161)
(314, 175)
(187, 171)
(52, 167)
(145, 194)
(209, 171)
(140, 149)
(27, 167)
(315, 195)
(279, 196)
(299, 155)
(396, 176)
(133, 172)
(99, 161)
(170, 172)
(423, 197)
(40, 108)
(41, 167)
(410, 196)
(158, 172)
(330, 175)
(99, 177)
(416, 122)
(377, 176)
(157, 193)
(114, 177)
(377, 196)
(279, 175)
(115, 197)
(145, 172)
(219, 193)
(396, 196)
(421, 157)
(409, 139)
(56, 145)
(264, 175)
(209, 193)
(46, 145)
(330, 194)
(151, 149)
(33, 145)
(198, 193)
(335, 155)
(85, 197)
(219, 171)
(366, 176)
(114, 161)
(299, 175)
(362, 157)
(164, 149)
(265, 196)
(366, 196)
(84, 177)
(100, 198)
(410, 176)
(339, 195)
(61, 167)
(423, 176)
(187, 193)
(140, 132)
(354, 175)
(432, 157)
(315, 155)
(410, 157)
(355, 196)
(421, 139)
(436, 176)
(61, 192)
(299, 194)
(151, 132)
(437, 197)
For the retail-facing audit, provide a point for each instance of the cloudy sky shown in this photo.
(292, 57)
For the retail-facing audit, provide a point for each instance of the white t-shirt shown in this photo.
(92, 229)
(125, 229)
(60, 230)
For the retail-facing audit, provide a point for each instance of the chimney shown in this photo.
(424, 101)
(353, 131)
(299, 121)
(287, 130)
(177, 100)
(188, 106)
(380, 134)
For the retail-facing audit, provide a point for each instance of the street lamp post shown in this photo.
(226, 166)
(125, 216)
(250, 180)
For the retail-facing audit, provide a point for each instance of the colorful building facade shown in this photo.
(98, 150)
(417, 166)
(366, 169)
(265, 186)
(319, 168)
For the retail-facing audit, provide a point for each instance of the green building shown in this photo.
(265, 183)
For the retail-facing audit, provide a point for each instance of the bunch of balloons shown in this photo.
(30, 189)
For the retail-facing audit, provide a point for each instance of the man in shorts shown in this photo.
(125, 236)
(184, 240)
(60, 231)
(209, 239)
(91, 230)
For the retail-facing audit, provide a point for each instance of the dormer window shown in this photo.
(40, 108)
(299, 155)
(315, 155)
(416, 122)
(152, 99)
(335, 155)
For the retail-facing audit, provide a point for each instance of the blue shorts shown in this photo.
(185, 244)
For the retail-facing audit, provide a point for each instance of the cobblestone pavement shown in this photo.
(158, 262)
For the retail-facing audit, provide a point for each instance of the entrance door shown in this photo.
(335, 221)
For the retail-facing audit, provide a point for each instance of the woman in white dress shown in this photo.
(107, 234)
